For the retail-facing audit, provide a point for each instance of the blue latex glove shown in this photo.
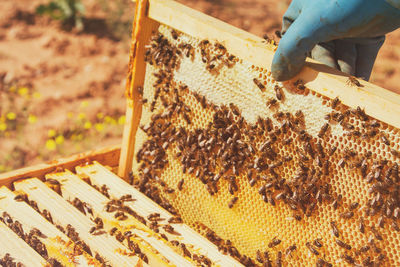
(344, 34)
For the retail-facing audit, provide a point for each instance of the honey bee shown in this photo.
(290, 249)
(113, 230)
(235, 109)
(323, 130)
(376, 233)
(278, 261)
(21, 197)
(299, 85)
(335, 102)
(220, 47)
(180, 184)
(385, 140)
(259, 256)
(311, 248)
(395, 226)
(347, 258)
(321, 263)
(335, 230)
(186, 117)
(185, 250)
(332, 150)
(342, 162)
(317, 242)
(279, 92)
(395, 153)
(363, 249)
(353, 81)
(272, 102)
(353, 205)
(275, 241)
(169, 229)
(232, 202)
(174, 34)
(343, 244)
(259, 84)
(98, 232)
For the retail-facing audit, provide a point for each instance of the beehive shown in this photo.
(94, 218)
(203, 105)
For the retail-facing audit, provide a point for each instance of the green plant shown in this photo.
(118, 16)
(70, 12)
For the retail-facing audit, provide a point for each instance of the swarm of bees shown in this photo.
(225, 150)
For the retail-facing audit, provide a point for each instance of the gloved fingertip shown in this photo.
(284, 69)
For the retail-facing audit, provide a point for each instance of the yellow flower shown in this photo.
(81, 116)
(3, 126)
(23, 91)
(59, 140)
(12, 88)
(121, 120)
(51, 145)
(107, 119)
(99, 127)
(87, 125)
(32, 119)
(51, 133)
(36, 95)
(84, 104)
(79, 137)
(100, 115)
(70, 115)
(2, 168)
(11, 116)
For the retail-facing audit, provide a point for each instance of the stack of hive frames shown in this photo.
(111, 211)
(252, 224)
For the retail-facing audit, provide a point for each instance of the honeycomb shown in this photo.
(355, 186)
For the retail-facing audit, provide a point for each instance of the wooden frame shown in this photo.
(108, 156)
(378, 102)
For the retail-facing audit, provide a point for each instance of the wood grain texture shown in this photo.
(58, 245)
(144, 206)
(149, 242)
(65, 214)
(143, 27)
(18, 249)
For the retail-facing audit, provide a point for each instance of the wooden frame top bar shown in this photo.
(108, 156)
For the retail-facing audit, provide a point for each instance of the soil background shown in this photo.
(62, 91)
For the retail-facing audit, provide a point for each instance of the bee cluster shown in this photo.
(7, 260)
(33, 239)
(120, 212)
(79, 245)
(229, 149)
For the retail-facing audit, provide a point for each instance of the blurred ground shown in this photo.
(62, 92)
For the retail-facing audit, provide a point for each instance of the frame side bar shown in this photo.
(142, 30)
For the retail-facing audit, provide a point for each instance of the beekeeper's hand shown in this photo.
(344, 34)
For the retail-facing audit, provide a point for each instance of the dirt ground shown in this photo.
(62, 91)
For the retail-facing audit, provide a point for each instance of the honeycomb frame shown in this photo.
(231, 223)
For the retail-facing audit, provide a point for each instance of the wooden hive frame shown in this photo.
(378, 102)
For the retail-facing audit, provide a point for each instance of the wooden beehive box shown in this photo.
(253, 211)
